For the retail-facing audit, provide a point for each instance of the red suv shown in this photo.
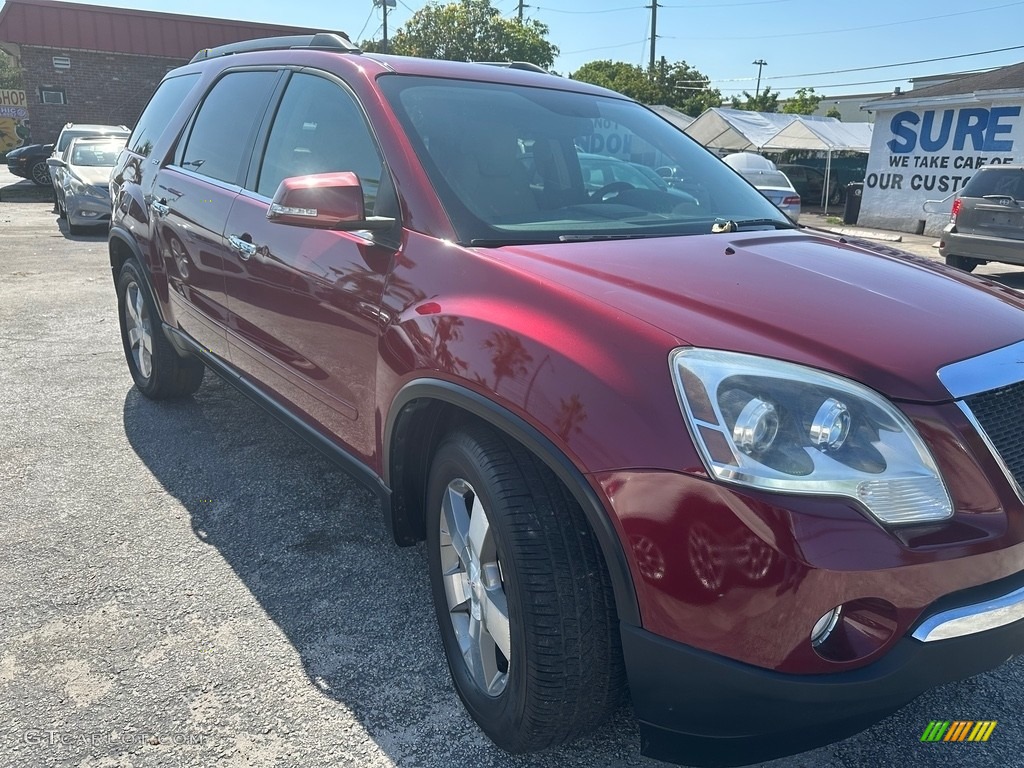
(766, 480)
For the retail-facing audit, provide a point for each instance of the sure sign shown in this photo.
(984, 128)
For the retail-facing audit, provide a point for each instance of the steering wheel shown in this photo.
(609, 189)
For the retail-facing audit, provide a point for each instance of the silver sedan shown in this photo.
(81, 177)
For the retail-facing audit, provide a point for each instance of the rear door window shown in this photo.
(168, 97)
(218, 141)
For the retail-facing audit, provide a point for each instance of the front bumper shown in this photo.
(703, 709)
(18, 168)
(87, 210)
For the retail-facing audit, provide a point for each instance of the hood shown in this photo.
(18, 151)
(96, 175)
(888, 321)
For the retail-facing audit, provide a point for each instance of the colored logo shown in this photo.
(959, 730)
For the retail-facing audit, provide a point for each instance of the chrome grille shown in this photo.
(1000, 413)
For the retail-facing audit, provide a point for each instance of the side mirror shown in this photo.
(56, 162)
(323, 201)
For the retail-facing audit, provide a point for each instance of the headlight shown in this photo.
(783, 427)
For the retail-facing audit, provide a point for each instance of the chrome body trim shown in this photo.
(992, 370)
(971, 619)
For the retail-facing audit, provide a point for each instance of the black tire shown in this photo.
(564, 672)
(40, 174)
(962, 262)
(161, 373)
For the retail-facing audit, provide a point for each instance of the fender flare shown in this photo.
(119, 233)
(543, 448)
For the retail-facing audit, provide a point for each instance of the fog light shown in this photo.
(756, 426)
(823, 627)
(830, 426)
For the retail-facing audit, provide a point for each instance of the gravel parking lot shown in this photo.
(190, 585)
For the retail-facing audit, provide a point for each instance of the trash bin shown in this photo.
(854, 193)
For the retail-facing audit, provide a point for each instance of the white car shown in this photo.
(776, 186)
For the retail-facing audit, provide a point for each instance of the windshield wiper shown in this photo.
(590, 238)
(500, 243)
(728, 225)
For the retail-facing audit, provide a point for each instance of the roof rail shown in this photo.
(524, 65)
(323, 41)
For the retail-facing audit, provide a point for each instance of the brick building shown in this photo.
(96, 64)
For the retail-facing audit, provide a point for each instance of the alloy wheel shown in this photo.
(139, 329)
(474, 587)
(40, 174)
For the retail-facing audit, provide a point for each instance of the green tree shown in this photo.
(803, 102)
(765, 101)
(676, 85)
(10, 73)
(470, 30)
(833, 111)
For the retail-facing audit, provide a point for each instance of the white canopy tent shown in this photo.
(739, 130)
(823, 134)
(736, 129)
(674, 116)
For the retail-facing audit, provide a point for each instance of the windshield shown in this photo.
(68, 134)
(96, 154)
(520, 164)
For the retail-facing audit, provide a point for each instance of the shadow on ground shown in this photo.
(310, 545)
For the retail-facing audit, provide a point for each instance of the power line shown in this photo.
(360, 35)
(833, 85)
(663, 5)
(856, 29)
(873, 67)
(604, 47)
(902, 64)
(728, 5)
(588, 13)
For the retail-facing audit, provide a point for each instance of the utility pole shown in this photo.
(522, 5)
(385, 4)
(760, 64)
(654, 33)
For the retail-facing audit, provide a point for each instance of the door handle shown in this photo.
(160, 208)
(245, 249)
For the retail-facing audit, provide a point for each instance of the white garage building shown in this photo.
(928, 142)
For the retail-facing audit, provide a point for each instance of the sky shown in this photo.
(806, 43)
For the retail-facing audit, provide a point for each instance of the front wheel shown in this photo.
(40, 174)
(158, 370)
(523, 598)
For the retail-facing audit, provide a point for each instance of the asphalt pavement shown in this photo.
(188, 584)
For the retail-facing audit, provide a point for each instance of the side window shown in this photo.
(168, 97)
(319, 128)
(228, 116)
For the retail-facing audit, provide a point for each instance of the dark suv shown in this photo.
(759, 476)
(987, 220)
(29, 162)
